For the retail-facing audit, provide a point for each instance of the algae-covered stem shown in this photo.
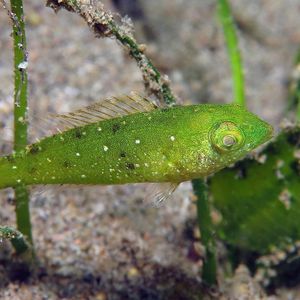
(16, 238)
(104, 25)
(20, 110)
(231, 39)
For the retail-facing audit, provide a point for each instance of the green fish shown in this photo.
(129, 139)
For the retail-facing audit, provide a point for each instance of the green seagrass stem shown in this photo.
(20, 111)
(230, 35)
(209, 270)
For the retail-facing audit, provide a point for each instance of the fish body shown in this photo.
(114, 144)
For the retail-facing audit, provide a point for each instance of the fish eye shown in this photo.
(229, 141)
(226, 136)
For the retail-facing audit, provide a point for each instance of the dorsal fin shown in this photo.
(108, 108)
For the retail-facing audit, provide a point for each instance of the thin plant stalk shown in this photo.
(20, 111)
(209, 270)
(231, 39)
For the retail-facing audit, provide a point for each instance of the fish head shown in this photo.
(235, 132)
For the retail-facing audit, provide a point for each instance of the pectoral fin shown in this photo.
(157, 193)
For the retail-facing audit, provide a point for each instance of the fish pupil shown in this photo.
(229, 141)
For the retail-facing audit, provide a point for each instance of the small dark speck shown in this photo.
(130, 166)
(11, 200)
(10, 159)
(271, 149)
(294, 138)
(241, 170)
(19, 271)
(34, 149)
(116, 127)
(32, 170)
(78, 134)
(88, 277)
(123, 154)
(295, 166)
(67, 164)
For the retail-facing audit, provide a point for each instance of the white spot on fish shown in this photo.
(137, 141)
(172, 138)
(23, 65)
(105, 148)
